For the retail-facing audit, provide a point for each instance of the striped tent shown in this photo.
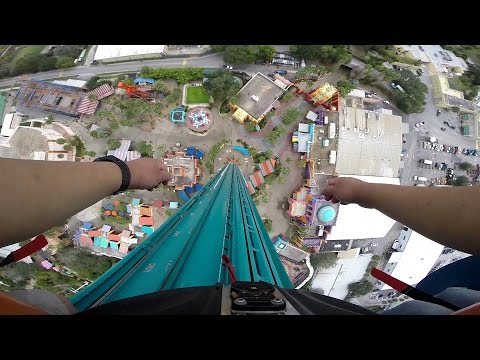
(122, 152)
(102, 91)
(87, 107)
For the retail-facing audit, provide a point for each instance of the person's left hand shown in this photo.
(147, 173)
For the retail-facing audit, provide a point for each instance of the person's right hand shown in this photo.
(147, 173)
(347, 190)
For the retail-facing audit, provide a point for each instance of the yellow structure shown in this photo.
(323, 93)
(240, 115)
(446, 97)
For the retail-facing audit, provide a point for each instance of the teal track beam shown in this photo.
(186, 251)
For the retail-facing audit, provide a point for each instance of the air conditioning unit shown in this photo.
(255, 98)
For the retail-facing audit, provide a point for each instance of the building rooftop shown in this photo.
(356, 222)
(442, 59)
(415, 261)
(185, 169)
(369, 143)
(260, 87)
(114, 51)
(292, 253)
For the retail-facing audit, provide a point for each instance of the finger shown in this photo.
(334, 201)
(151, 189)
(343, 203)
(332, 181)
(161, 165)
(164, 176)
(328, 197)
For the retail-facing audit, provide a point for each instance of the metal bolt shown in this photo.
(277, 301)
(240, 301)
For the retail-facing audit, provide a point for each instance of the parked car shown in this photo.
(421, 123)
(281, 72)
(443, 129)
(228, 67)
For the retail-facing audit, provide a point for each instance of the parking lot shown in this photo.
(449, 137)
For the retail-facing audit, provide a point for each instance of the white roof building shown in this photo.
(127, 52)
(442, 59)
(356, 222)
(71, 82)
(414, 259)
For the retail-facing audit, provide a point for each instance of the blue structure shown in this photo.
(241, 150)
(190, 151)
(144, 81)
(187, 249)
(197, 187)
(199, 154)
(326, 213)
(177, 115)
(189, 190)
(183, 196)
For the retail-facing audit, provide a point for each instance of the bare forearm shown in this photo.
(38, 195)
(445, 215)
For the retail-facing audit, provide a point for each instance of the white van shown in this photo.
(419, 178)
(426, 162)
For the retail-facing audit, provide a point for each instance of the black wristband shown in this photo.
(126, 175)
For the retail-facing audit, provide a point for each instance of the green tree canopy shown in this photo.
(328, 54)
(222, 87)
(265, 52)
(160, 86)
(345, 87)
(413, 99)
(65, 62)
(362, 287)
(239, 54)
(323, 260)
(145, 149)
(461, 181)
(465, 166)
(114, 144)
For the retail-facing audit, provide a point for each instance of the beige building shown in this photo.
(447, 98)
(369, 143)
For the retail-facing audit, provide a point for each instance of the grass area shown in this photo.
(465, 51)
(457, 84)
(2, 106)
(197, 95)
(28, 50)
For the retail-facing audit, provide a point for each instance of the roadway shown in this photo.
(85, 72)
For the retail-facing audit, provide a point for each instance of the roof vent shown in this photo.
(255, 98)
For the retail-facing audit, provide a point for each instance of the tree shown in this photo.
(265, 52)
(362, 287)
(145, 71)
(301, 164)
(289, 160)
(92, 83)
(323, 260)
(345, 87)
(268, 224)
(287, 96)
(174, 95)
(65, 62)
(328, 54)
(113, 144)
(412, 100)
(27, 64)
(218, 48)
(145, 149)
(67, 147)
(160, 86)
(239, 54)
(91, 153)
(251, 126)
(290, 116)
(221, 87)
(47, 63)
(465, 166)
(461, 181)
(61, 141)
(49, 119)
